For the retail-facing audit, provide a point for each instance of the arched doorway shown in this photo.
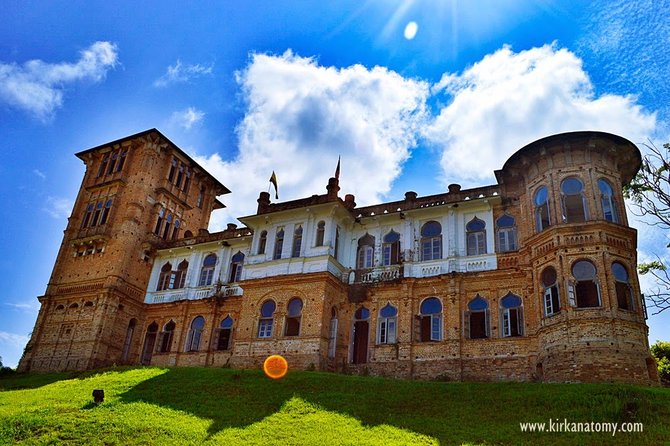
(360, 335)
(149, 342)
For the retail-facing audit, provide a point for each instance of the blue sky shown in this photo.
(254, 86)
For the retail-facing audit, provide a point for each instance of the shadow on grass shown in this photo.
(452, 413)
(19, 381)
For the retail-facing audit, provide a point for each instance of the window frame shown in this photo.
(431, 243)
(435, 322)
(475, 238)
(540, 209)
(266, 322)
(387, 325)
(569, 203)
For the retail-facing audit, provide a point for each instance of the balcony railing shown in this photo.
(159, 297)
(379, 274)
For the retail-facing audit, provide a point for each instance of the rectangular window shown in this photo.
(265, 328)
(506, 239)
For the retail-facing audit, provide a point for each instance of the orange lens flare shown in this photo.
(275, 367)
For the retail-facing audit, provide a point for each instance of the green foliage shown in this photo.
(661, 351)
(224, 406)
(655, 265)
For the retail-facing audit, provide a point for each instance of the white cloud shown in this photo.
(39, 173)
(187, 118)
(38, 86)
(301, 116)
(58, 207)
(13, 339)
(509, 99)
(181, 73)
(31, 306)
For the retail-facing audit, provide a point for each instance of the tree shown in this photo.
(661, 352)
(649, 193)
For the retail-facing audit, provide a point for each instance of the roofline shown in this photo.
(628, 175)
(81, 154)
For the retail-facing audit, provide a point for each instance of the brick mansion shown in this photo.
(531, 278)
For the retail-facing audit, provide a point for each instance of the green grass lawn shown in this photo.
(199, 406)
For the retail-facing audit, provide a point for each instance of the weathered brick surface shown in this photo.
(598, 344)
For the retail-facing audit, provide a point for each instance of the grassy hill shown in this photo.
(224, 406)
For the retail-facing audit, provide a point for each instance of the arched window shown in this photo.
(574, 201)
(297, 241)
(476, 237)
(624, 292)
(279, 243)
(105, 212)
(175, 231)
(506, 229)
(96, 214)
(607, 201)
(511, 315)
(149, 343)
(262, 242)
(386, 326)
(332, 340)
(266, 319)
(552, 303)
(542, 219)
(164, 278)
(431, 241)
(225, 334)
(166, 229)
(129, 338)
(159, 222)
(477, 318)
(236, 263)
(585, 291)
(207, 271)
(87, 215)
(293, 316)
(194, 334)
(431, 320)
(179, 276)
(366, 252)
(320, 233)
(391, 249)
(165, 343)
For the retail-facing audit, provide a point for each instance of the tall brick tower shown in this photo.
(581, 256)
(137, 194)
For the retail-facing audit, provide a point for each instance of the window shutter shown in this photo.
(416, 332)
(506, 323)
(600, 301)
(520, 320)
(548, 305)
(570, 286)
(391, 333)
(215, 339)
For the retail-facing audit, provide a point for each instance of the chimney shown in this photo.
(410, 198)
(263, 202)
(454, 188)
(231, 227)
(349, 202)
(333, 188)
